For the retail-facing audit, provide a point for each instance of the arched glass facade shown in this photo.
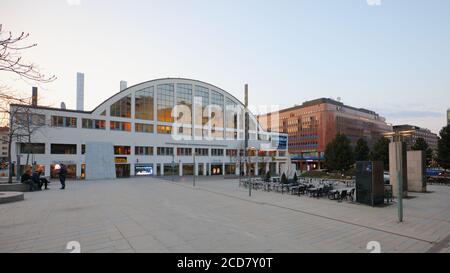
(189, 108)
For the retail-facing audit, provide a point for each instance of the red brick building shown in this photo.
(314, 124)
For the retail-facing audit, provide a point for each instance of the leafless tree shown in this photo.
(24, 123)
(11, 60)
(22, 119)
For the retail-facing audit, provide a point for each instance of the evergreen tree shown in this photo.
(362, 150)
(421, 145)
(381, 152)
(284, 179)
(339, 154)
(444, 148)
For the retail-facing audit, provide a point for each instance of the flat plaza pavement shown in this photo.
(156, 215)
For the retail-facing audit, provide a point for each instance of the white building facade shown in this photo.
(161, 127)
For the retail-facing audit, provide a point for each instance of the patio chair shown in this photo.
(333, 194)
(319, 192)
(301, 190)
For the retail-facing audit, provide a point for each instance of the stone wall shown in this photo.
(100, 161)
(416, 171)
(393, 168)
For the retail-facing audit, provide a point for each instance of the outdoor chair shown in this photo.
(333, 194)
(301, 190)
(319, 192)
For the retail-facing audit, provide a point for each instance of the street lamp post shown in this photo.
(397, 138)
(173, 166)
(195, 168)
(251, 174)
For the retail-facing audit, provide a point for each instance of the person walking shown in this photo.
(62, 176)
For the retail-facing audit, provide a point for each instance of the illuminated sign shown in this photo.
(121, 160)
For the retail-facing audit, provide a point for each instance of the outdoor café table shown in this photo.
(258, 184)
(278, 187)
(285, 186)
(311, 191)
(293, 189)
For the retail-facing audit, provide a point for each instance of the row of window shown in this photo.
(67, 122)
(71, 149)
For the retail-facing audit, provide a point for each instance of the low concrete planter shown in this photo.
(9, 197)
(16, 187)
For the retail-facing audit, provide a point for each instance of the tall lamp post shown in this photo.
(173, 166)
(249, 169)
(195, 169)
(397, 137)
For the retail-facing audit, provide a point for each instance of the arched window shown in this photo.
(122, 108)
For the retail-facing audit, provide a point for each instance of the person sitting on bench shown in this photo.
(38, 180)
(28, 179)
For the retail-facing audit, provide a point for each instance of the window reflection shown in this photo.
(122, 108)
(144, 104)
(217, 122)
(165, 102)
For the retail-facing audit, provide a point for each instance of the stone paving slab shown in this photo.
(155, 215)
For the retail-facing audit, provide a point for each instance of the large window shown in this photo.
(32, 148)
(217, 117)
(64, 122)
(144, 104)
(201, 152)
(231, 114)
(144, 128)
(201, 116)
(184, 151)
(121, 108)
(164, 151)
(164, 130)
(184, 103)
(94, 124)
(63, 149)
(231, 117)
(30, 119)
(122, 150)
(120, 126)
(143, 150)
(165, 102)
(217, 104)
(216, 152)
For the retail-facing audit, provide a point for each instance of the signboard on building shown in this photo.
(280, 142)
(121, 160)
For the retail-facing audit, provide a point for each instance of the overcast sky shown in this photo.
(391, 56)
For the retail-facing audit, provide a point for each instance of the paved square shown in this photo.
(155, 215)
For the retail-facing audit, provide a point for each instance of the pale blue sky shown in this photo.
(393, 58)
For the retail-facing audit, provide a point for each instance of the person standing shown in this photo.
(62, 176)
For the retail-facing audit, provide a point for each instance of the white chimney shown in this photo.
(80, 91)
(123, 85)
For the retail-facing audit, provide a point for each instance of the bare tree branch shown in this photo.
(12, 62)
